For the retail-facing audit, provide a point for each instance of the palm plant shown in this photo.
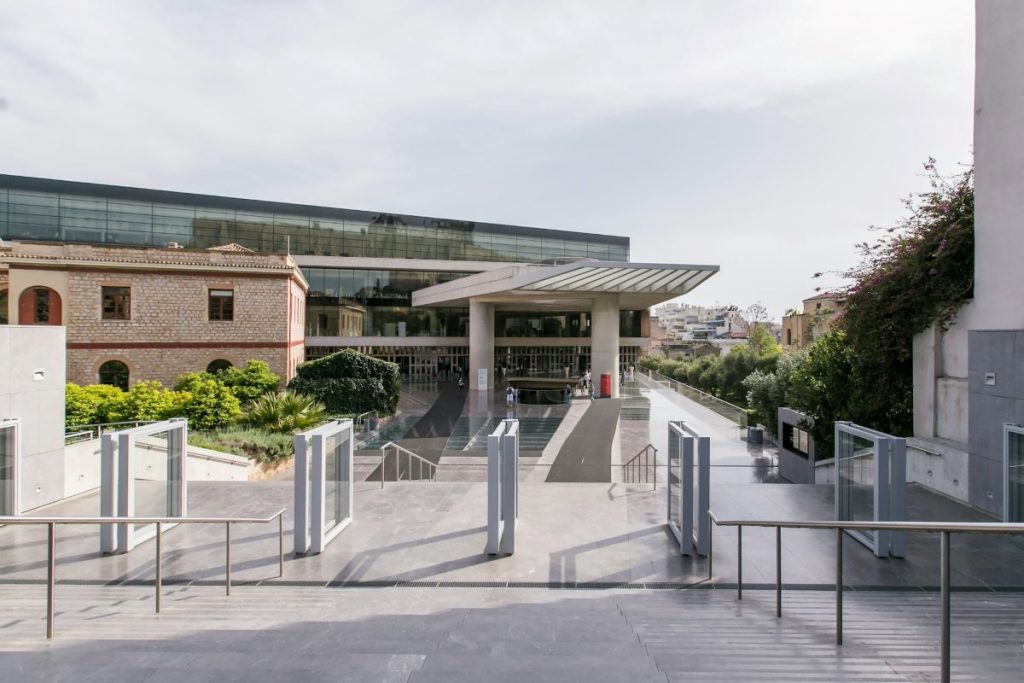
(284, 413)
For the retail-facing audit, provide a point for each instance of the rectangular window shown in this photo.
(222, 304)
(116, 303)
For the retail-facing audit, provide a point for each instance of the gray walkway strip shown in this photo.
(441, 418)
(586, 456)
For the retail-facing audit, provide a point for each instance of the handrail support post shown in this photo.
(739, 562)
(778, 572)
(51, 543)
(159, 578)
(227, 558)
(839, 586)
(944, 596)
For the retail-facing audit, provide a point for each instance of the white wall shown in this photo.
(82, 465)
(32, 375)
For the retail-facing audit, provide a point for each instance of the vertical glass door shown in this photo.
(1013, 488)
(8, 457)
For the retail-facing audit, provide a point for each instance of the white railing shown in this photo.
(422, 465)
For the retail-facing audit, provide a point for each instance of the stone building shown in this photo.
(799, 330)
(135, 314)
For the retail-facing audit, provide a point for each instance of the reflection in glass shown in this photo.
(70, 217)
(1014, 477)
(674, 481)
(7, 455)
(856, 472)
(337, 478)
(149, 479)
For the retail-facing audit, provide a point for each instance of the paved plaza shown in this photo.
(596, 590)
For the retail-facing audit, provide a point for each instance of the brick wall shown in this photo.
(169, 331)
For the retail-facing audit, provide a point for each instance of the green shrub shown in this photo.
(284, 413)
(258, 445)
(209, 405)
(769, 391)
(350, 382)
(250, 382)
(149, 401)
(93, 404)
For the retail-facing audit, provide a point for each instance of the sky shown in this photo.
(763, 137)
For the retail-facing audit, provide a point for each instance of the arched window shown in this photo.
(39, 306)
(114, 373)
(3, 306)
(218, 365)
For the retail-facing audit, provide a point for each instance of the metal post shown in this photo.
(50, 548)
(227, 558)
(159, 530)
(710, 533)
(778, 571)
(739, 562)
(280, 542)
(839, 586)
(655, 469)
(944, 593)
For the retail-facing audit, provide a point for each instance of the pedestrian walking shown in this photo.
(510, 395)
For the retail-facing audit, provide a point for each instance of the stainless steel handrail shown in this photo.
(95, 430)
(420, 462)
(944, 529)
(736, 413)
(632, 468)
(52, 522)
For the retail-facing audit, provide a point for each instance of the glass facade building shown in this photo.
(342, 301)
(62, 211)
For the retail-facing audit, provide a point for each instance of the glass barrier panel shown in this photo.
(8, 435)
(1014, 476)
(855, 459)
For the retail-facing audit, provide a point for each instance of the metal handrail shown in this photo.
(419, 459)
(95, 430)
(944, 529)
(740, 417)
(632, 468)
(52, 522)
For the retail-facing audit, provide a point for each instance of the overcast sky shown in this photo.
(764, 137)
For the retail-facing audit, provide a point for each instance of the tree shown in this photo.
(349, 382)
(822, 387)
(755, 315)
(919, 273)
(767, 391)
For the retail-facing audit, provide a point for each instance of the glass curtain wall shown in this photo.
(67, 216)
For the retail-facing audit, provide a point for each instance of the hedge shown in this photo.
(350, 382)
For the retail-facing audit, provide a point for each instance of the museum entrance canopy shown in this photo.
(638, 285)
(602, 287)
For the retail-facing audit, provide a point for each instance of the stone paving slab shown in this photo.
(268, 633)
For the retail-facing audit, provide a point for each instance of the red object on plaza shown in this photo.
(606, 385)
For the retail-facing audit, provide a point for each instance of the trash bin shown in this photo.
(755, 435)
(606, 385)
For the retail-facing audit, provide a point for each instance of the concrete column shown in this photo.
(604, 340)
(481, 342)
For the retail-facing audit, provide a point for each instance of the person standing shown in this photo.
(510, 395)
